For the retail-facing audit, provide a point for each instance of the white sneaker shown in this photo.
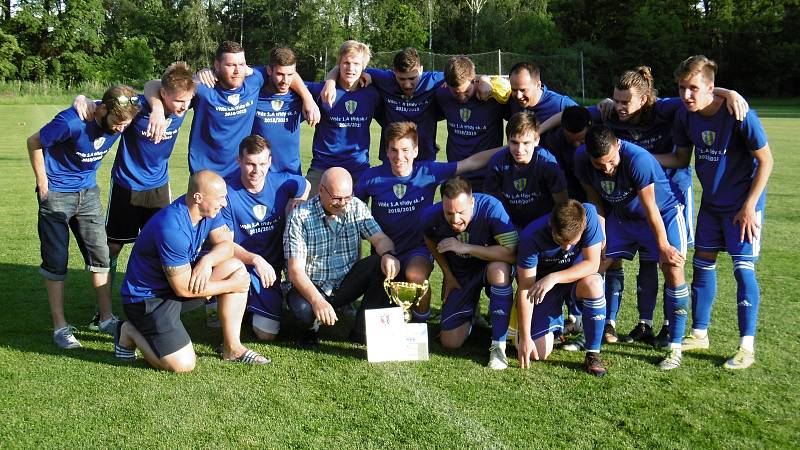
(64, 337)
(741, 360)
(672, 360)
(691, 342)
(497, 358)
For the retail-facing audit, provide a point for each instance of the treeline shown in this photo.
(71, 41)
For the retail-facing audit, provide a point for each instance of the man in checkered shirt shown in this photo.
(321, 243)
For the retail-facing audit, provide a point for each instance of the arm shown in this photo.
(36, 155)
(550, 123)
(676, 160)
(594, 198)
(526, 278)
(449, 281)
(221, 250)
(299, 200)
(84, 107)
(265, 271)
(736, 104)
(385, 247)
(310, 108)
(588, 265)
(746, 217)
(476, 161)
(323, 311)
(491, 253)
(667, 253)
(158, 120)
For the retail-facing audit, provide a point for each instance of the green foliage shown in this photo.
(399, 25)
(133, 62)
(9, 50)
(196, 45)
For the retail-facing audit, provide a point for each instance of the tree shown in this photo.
(9, 51)
(197, 47)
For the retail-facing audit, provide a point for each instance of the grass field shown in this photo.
(333, 398)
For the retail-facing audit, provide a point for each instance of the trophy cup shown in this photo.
(405, 294)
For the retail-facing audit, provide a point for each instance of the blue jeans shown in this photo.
(82, 213)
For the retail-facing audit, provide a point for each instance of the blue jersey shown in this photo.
(564, 152)
(549, 104)
(278, 118)
(637, 169)
(490, 225)
(73, 150)
(538, 249)
(258, 219)
(724, 164)
(398, 202)
(418, 109)
(167, 240)
(472, 127)
(222, 118)
(341, 138)
(526, 191)
(142, 165)
(653, 135)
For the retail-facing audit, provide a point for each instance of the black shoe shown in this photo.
(642, 332)
(610, 334)
(357, 337)
(594, 365)
(309, 339)
(94, 324)
(662, 340)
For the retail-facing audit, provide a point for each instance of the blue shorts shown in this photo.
(688, 214)
(717, 232)
(547, 316)
(462, 303)
(265, 302)
(626, 237)
(406, 256)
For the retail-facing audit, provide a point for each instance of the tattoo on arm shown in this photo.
(174, 271)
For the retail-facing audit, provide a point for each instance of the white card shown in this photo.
(390, 338)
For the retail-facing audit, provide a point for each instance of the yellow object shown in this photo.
(501, 89)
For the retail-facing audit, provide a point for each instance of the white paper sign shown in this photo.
(390, 338)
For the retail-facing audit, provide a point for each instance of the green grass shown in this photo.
(333, 398)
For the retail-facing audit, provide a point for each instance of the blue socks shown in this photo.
(615, 281)
(677, 303)
(500, 301)
(747, 296)
(594, 315)
(704, 291)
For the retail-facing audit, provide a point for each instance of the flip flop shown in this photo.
(252, 357)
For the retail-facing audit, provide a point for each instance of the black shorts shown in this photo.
(159, 321)
(128, 211)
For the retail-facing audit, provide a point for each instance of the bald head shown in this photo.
(206, 192)
(201, 181)
(335, 190)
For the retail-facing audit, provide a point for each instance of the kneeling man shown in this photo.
(165, 271)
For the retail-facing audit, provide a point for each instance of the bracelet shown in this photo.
(389, 252)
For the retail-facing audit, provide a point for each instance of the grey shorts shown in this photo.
(80, 212)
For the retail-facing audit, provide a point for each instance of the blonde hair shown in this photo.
(459, 70)
(354, 47)
(693, 65)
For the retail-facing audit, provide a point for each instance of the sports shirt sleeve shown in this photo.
(503, 230)
(680, 129)
(593, 234)
(173, 246)
(642, 170)
(528, 251)
(56, 131)
(753, 132)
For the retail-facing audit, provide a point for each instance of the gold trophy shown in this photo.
(405, 294)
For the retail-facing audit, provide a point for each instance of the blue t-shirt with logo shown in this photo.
(258, 219)
(341, 138)
(538, 249)
(722, 154)
(167, 240)
(526, 191)
(418, 109)
(140, 164)
(637, 169)
(398, 202)
(73, 150)
(222, 118)
(278, 119)
(490, 225)
(549, 104)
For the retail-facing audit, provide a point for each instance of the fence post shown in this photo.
(583, 87)
(499, 63)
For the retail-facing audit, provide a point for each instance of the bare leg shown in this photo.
(55, 296)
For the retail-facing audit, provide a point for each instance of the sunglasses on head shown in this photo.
(124, 100)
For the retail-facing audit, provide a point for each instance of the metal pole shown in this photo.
(499, 63)
(241, 24)
(583, 86)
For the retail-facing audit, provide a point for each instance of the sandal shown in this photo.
(252, 357)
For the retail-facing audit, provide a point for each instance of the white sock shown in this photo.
(699, 334)
(648, 322)
(499, 344)
(675, 347)
(666, 323)
(747, 343)
(612, 322)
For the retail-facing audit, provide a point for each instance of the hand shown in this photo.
(324, 312)
(207, 77)
(483, 89)
(84, 107)
(671, 256)
(241, 281)
(606, 107)
(525, 350)
(365, 79)
(42, 190)
(266, 273)
(292, 204)
(452, 244)
(201, 273)
(311, 112)
(156, 127)
(748, 225)
(542, 286)
(390, 266)
(737, 105)
(450, 285)
(328, 93)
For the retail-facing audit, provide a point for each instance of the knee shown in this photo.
(301, 309)
(263, 335)
(452, 339)
(590, 287)
(180, 364)
(498, 273)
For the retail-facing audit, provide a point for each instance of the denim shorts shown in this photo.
(82, 212)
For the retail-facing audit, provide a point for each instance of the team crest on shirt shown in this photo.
(465, 113)
(351, 106)
(399, 190)
(708, 137)
(260, 211)
(99, 142)
(520, 184)
(635, 135)
(608, 186)
(463, 237)
(233, 99)
(276, 105)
